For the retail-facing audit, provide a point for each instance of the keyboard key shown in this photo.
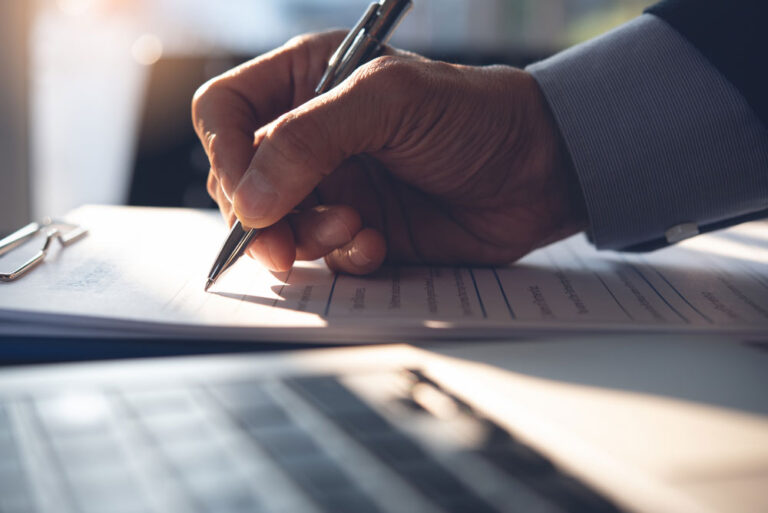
(13, 482)
(6, 426)
(443, 488)
(263, 417)
(432, 479)
(79, 452)
(395, 448)
(188, 458)
(10, 464)
(16, 502)
(71, 415)
(518, 459)
(229, 498)
(113, 505)
(572, 495)
(364, 424)
(318, 474)
(5, 419)
(495, 435)
(163, 402)
(464, 504)
(178, 428)
(7, 443)
(353, 501)
(242, 396)
(286, 442)
(343, 407)
(93, 479)
(14, 488)
(328, 394)
(113, 491)
(203, 479)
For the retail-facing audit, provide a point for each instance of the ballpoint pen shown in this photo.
(362, 44)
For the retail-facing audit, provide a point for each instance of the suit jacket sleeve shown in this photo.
(666, 128)
(732, 36)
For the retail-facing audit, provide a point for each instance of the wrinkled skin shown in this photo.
(408, 160)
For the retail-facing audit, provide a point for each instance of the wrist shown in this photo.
(566, 199)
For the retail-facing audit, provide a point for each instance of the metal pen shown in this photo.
(362, 44)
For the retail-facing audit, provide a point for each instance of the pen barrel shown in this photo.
(233, 248)
(364, 41)
(391, 13)
(362, 51)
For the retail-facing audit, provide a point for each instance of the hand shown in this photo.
(408, 160)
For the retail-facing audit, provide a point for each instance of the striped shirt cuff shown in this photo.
(658, 137)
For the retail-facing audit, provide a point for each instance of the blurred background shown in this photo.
(94, 105)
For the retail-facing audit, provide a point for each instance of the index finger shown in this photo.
(227, 110)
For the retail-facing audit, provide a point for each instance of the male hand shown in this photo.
(408, 160)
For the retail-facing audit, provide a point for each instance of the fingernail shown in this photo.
(357, 257)
(255, 197)
(332, 232)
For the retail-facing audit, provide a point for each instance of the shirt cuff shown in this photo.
(658, 137)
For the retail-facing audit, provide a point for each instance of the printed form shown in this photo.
(144, 282)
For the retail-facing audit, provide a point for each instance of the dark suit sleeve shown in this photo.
(730, 34)
(666, 136)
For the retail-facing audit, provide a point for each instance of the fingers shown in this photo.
(333, 232)
(262, 165)
(323, 229)
(274, 247)
(300, 148)
(336, 233)
(225, 207)
(227, 110)
(363, 255)
(225, 120)
(226, 132)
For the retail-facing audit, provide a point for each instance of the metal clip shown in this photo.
(65, 233)
(331, 75)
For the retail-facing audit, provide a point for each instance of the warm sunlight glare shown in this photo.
(729, 247)
(76, 7)
(147, 49)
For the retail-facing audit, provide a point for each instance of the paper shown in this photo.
(141, 272)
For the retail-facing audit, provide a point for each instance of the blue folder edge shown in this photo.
(22, 350)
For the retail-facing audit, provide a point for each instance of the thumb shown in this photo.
(299, 149)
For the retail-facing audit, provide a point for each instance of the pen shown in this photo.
(362, 44)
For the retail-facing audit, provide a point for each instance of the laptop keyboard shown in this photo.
(290, 445)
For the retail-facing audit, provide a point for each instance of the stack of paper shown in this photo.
(141, 272)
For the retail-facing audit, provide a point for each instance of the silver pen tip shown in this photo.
(208, 284)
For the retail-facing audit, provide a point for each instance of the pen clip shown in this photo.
(336, 60)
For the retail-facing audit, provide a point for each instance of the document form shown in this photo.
(141, 272)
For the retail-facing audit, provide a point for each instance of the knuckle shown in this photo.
(203, 96)
(288, 136)
(390, 71)
(315, 38)
(205, 101)
(299, 41)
